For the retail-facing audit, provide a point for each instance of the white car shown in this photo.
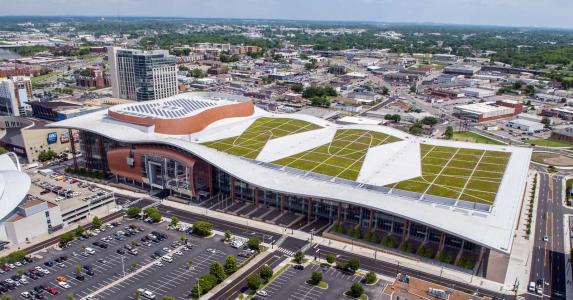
(210, 250)
(262, 293)
(64, 284)
(45, 271)
(546, 239)
(26, 295)
(23, 281)
(179, 253)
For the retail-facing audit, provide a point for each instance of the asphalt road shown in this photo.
(391, 269)
(233, 289)
(236, 229)
(548, 257)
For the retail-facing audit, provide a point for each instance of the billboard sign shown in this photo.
(64, 137)
(52, 137)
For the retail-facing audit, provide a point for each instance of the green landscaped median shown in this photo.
(550, 143)
(472, 137)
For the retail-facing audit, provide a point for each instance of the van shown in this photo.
(237, 244)
(148, 294)
(167, 258)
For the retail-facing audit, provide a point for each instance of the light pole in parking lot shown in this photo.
(122, 266)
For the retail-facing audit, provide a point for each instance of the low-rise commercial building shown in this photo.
(525, 125)
(488, 111)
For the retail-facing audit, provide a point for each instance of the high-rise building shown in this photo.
(142, 75)
(15, 93)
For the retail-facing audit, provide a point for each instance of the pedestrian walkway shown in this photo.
(437, 270)
(285, 251)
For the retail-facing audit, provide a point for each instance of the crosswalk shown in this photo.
(285, 251)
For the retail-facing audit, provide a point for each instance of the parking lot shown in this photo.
(57, 188)
(108, 263)
(291, 285)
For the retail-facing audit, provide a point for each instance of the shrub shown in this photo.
(407, 247)
(315, 278)
(445, 257)
(354, 233)
(370, 277)
(372, 237)
(425, 251)
(466, 263)
(389, 242)
(338, 228)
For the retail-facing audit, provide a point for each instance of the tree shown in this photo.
(266, 272)
(429, 121)
(230, 264)
(353, 264)
(254, 282)
(137, 294)
(217, 270)
(133, 212)
(413, 89)
(228, 235)
(254, 243)
(202, 228)
(96, 223)
(80, 230)
(356, 290)
(21, 271)
(167, 298)
(71, 296)
(330, 258)
(197, 73)
(133, 243)
(78, 269)
(385, 90)
(299, 257)
(66, 238)
(190, 264)
(154, 214)
(546, 122)
(315, 278)
(416, 129)
(449, 133)
(174, 221)
(297, 87)
(370, 277)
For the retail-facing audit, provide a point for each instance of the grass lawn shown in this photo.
(468, 136)
(253, 140)
(549, 143)
(343, 157)
(467, 174)
(553, 159)
(37, 79)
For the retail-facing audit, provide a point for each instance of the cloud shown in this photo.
(543, 13)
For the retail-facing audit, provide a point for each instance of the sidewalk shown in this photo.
(519, 265)
(567, 247)
(436, 270)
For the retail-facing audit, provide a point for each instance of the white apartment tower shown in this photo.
(142, 75)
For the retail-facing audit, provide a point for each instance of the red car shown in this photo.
(52, 291)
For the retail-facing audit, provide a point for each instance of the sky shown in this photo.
(530, 13)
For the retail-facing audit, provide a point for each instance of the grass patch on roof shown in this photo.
(253, 140)
(471, 175)
(343, 157)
